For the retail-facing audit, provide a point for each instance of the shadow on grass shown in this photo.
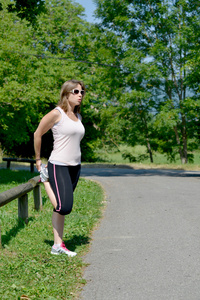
(5, 238)
(15, 176)
(76, 240)
(45, 199)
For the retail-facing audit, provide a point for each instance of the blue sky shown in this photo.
(89, 8)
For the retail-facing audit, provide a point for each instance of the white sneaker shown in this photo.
(61, 249)
(44, 176)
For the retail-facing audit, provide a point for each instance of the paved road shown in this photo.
(147, 246)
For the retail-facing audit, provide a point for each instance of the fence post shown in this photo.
(37, 197)
(8, 164)
(23, 208)
(32, 167)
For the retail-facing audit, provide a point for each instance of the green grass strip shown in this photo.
(27, 269)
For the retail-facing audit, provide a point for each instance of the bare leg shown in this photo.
(57, 219)
(58, 227)
(50, 193)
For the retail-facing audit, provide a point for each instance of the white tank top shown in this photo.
(67, 135)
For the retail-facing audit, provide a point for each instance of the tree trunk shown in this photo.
(147, 138)
(184, 137)
(149, 150)
(181, 151)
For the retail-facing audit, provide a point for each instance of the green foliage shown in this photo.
(30, 81)
(28, 267)
(160, 39)
(27, 9)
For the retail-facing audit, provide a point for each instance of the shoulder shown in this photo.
(57, 111)
(54, 115)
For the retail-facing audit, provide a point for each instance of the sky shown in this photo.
(89, 9)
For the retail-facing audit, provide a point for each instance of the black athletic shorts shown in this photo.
(63, 181)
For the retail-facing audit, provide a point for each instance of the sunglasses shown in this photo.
(76, 91)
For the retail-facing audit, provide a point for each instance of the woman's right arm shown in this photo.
(46, 123)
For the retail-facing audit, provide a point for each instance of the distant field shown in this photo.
(160, 160)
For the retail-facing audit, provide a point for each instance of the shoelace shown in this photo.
(64, 247)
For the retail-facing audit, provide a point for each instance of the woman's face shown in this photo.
(75, 96)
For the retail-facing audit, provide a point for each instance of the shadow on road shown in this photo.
(113, 172)
(88, 170)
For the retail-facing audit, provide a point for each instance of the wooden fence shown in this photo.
(21, 192)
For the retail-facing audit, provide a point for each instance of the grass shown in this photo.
(112, 156)
(27, 269)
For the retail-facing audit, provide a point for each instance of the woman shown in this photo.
(65, 159)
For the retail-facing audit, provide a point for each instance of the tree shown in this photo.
(34, 64)
(14, 38)
(164, 34)
(35, 61)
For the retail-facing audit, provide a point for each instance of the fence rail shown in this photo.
(21, 192)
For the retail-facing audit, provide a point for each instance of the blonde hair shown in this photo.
(66, 88)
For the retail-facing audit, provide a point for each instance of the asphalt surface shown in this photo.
(147, 246)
